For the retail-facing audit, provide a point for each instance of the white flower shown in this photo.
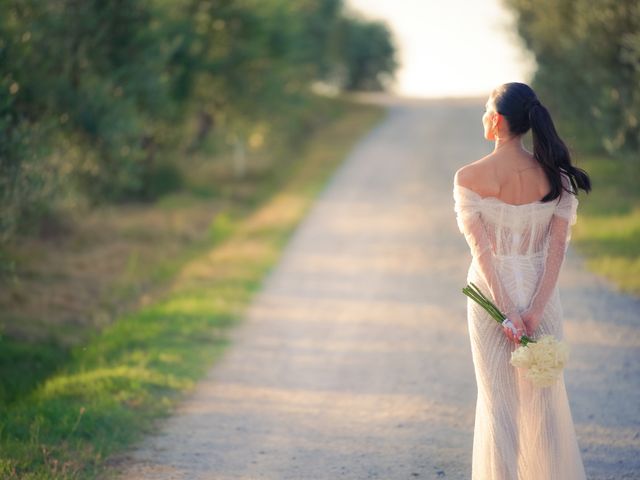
(543, 359)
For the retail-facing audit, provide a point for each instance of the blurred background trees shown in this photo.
(101, 100)
(588, 56)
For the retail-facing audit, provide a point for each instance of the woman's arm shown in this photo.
(556, 248)
(478, 240)
(474, 230)
(564, 217)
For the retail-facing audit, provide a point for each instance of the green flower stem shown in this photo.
(483, 302)
(524, 340)
(474, 293)
(498, 315)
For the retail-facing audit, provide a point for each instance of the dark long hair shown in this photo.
(518, 103)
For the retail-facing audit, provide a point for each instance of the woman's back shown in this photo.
(508, 192)
(515, 177)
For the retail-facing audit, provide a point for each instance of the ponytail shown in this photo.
(518, 103)
(553, 155)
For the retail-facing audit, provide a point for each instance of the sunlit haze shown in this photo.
(452, 48)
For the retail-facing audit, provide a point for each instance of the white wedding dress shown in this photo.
(521, 432)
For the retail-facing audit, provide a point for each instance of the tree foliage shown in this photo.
(588, 56)
(92, 92)
(369, 54)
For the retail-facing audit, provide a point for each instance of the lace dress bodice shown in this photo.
(499, 233)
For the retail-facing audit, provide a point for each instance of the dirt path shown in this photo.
(353, 361)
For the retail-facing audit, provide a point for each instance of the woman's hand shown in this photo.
(520, 327)
(531, 319)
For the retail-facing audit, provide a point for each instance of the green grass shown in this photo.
(23, 365)
(608, 228)
(108, 392)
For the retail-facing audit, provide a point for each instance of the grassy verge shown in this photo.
(608, 229)
(113, 388)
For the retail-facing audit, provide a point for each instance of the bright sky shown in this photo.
(451, 47)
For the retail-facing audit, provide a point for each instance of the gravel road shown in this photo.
(354, 362)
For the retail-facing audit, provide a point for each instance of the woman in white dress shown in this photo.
(515, 209)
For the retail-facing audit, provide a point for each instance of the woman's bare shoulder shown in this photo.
(479, 176)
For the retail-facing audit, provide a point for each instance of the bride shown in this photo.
(515, 209)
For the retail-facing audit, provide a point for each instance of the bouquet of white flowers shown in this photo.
(543, 359)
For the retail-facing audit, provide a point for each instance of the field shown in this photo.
(608, 229)
(124, 310)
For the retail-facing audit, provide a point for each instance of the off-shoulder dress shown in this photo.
(521, 432)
